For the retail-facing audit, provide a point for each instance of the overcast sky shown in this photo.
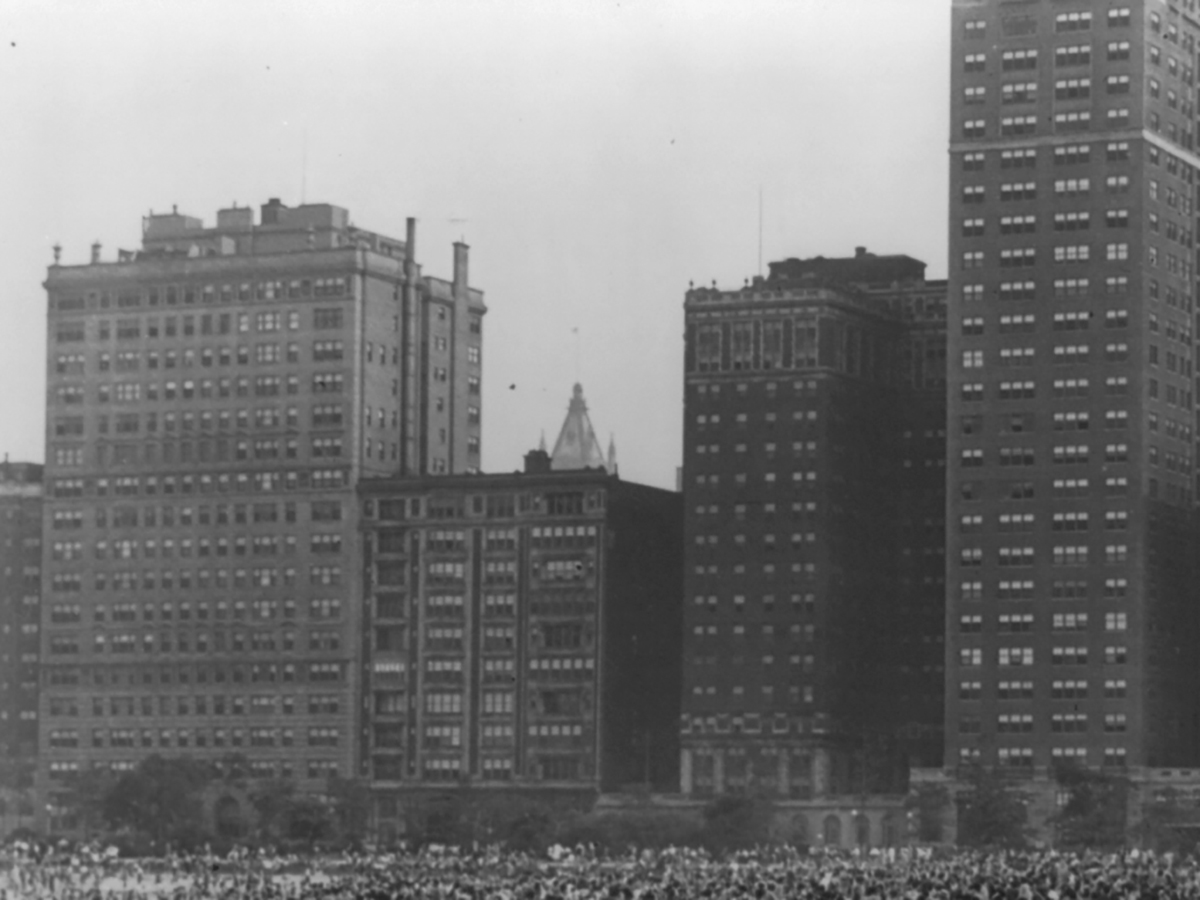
(595, 155)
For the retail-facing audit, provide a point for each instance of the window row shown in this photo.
(969, 657)
(1063, 555)
(259, 610)
(187, 579)
(196, 704)
(225, 482)
(133, 296)
(1012, 623)
(202, 389)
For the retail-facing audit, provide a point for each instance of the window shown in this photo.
(1072, 187)
(326, 317)
(1073, 21)
(1015, 656)
(1073, 55)
(1072, 88)
(1015, 125)
(328, 350)
(1074, 120)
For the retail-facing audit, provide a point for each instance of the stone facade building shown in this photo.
(523, 633)
(20, 613)
(213, 399)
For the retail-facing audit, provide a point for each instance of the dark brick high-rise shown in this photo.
(813, 482)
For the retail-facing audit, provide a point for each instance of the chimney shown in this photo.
(410, 239)
(461, 253)
(537, 462)
(95, 253)
(860, 252)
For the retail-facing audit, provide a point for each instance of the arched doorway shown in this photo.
(862, 830)
(800, 829)
(832, 831)
(891, 837)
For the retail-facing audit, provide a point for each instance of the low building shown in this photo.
(523, 632)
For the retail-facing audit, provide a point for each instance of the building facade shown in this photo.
(20, 614)
(523, 634)
(1071, 538)
(213, 399)
(813, 481)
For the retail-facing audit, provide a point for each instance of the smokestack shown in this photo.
(410, 239)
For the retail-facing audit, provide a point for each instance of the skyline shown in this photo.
(573, 149)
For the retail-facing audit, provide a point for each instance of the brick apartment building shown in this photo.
(813, 479)
(1071, 538)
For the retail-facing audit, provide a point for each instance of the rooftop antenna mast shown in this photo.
(575, 331)
(304, 167)
(760, 220)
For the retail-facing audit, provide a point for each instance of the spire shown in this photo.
(577, 447)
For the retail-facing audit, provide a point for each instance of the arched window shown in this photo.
(862, 830)
(832, 830)
(891, 837)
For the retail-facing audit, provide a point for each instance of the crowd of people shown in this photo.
(33, 873)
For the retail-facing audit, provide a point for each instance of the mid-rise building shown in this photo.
(523, 632)
(20, 613)
(813, 481)
(1071, 526)
(213, 399)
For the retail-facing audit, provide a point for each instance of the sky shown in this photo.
(597, 156)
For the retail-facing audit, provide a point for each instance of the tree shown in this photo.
(160, 798)
(272, 801)
(735, 822)
(86, 795)
(1167, 823)
(927, 803)
(991, 812)
(309, 820)
(1094, 815)
(350, 801)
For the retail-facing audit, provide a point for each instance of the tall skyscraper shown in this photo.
(20, 612)
(523, 631)
(813, 481)
(214, 397)
(1071, 529)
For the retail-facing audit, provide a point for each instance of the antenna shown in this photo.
(304, 167)
(760, 208)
